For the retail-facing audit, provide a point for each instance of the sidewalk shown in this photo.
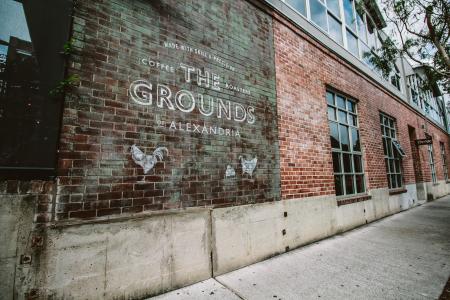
(405, 256)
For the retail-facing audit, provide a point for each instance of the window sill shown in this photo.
(351, 200)
(397, 191)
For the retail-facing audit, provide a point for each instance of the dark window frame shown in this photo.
(345, 160)
(444, 160)
(392, 156)
(432, 163)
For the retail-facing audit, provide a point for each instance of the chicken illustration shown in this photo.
(147, 162)
(248, 166)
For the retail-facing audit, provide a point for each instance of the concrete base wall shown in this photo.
(16, 224)
(437, 190)
(247, 234)
(126, 259)
(132, 258)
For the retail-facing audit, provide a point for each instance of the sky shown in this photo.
(13, 22)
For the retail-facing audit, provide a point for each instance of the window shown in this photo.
(371, 34)
(432, 167)
(32, 36)
(349, 13)
(318, 13)
(352, 43)
(392, 152)
(298, 5)
(444, 161)
(333, 6)
(412, 83)
(345, 144)
(362, 32)
(395, 78)
(335, 29)
(346, 23)
(350, 28)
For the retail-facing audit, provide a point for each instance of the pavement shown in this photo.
(404, 256)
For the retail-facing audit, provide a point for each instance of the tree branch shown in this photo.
(434, 38)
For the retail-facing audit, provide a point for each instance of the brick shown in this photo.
(82, 214)
(107, 212)
(287, 72)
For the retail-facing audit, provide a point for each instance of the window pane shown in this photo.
(399, 180)
(397, 166)
(330, 98)
(337, 162)
(352, 43)
(371, 34)
(349, 187)
(365, 53)
(340, 102)
(345, 142)
(352, 120)
(347, 160)
(357, 163)
(355, 140)
(338, 185)
(391, 166)
(342, 116)
(351, 106)
(360, 183)
(298, 5)
(393, 182)
(349, 14)
(389, 147)
(334, 135)
(331, 113)
(362, 28)
(335, 29)
(318, 14)
(333, 5)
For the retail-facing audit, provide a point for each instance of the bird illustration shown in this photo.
(230, 172)
(147, 162)
(248, 166)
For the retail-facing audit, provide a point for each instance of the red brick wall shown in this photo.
(304, 70)
(97, 176)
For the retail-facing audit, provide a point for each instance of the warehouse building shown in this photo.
(149, 145)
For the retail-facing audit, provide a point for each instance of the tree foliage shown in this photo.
(419, 30)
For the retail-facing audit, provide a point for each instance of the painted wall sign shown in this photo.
(248, 166)
(147, 162)
(427, 141)
(208, 97)
(230, 172)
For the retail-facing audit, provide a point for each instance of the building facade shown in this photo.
(158, 143)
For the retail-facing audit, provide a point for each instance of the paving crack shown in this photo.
(230, 289)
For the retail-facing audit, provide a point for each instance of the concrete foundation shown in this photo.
(135, 257)
(127, 259)
(16, 223)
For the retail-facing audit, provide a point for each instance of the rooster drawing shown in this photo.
(248, 166)
(147, 162)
